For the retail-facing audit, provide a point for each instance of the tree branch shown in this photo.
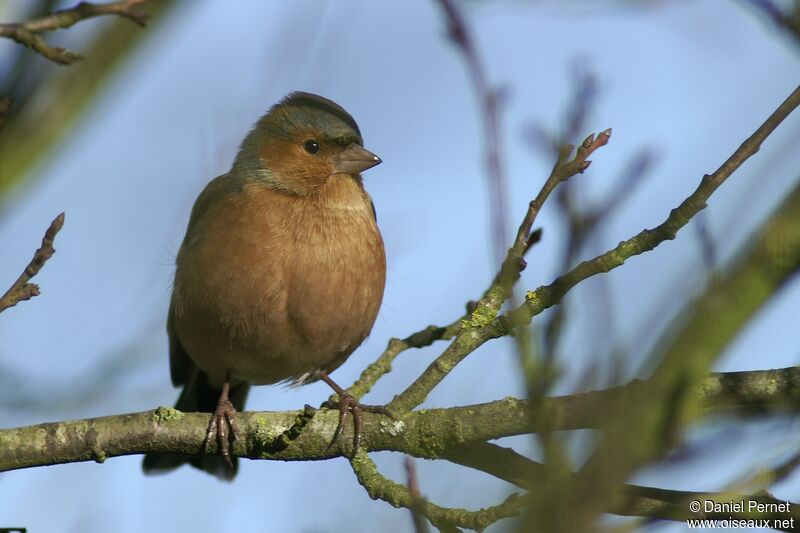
(59, 97)
(22, 290)
(26, 33)
(484, 324)
(383, 365)
(479, 326)
(446, 519)
(456, 434)
(646, 426)
(635, 500)
(427, 433)
(646, 240)
(420, 525)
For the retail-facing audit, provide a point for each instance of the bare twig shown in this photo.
(583, 97)
(514, 263)
(383, 365)
(581, 225)
(787, 20)
(27, 33)
(446, 519)
(420, 525)
(479, 327)
(648, 425)
(485, 324)
(488, 98)
(562, 171)
(708, 250)
(22, 290)
(549, 295)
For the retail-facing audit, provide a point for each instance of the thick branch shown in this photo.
(457, 434)
(27, 33)
(648, 425)
(428, 433)
(22, 290)
(635, 500)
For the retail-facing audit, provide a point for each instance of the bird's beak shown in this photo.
(354, 160)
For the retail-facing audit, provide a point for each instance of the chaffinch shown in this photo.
(281, 273)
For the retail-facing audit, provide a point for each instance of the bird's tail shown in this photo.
(199, 396)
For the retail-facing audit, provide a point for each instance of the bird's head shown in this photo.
(301, 142)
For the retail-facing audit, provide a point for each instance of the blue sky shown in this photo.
(688, 80)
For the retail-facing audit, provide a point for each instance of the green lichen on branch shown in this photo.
(383, 365)
(269, 439)
(549, 295)
(381, 488)
(166, 414)
(482, 316)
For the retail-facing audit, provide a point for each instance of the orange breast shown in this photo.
(270, 287)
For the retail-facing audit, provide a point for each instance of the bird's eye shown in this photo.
(311, 146)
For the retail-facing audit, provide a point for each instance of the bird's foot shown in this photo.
(347, 405)
(224, 417)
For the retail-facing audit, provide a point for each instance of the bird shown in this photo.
(280, 275)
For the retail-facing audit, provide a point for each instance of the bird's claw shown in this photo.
(224, 416)
(347, 404)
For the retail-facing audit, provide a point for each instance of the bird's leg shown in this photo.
(224, 416)
(347, 404)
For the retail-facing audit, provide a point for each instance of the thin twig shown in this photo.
(787, 20)
(645, 427)
(488, 98)
(623, 188)
(581, 224)
(485, 324)
(514, 263)
(478, 327)
(22, 290)
(549, 295)
(27, 33)
(420, 525)
(562, 171)
(446, 519)
(383, 365)
(708, 251)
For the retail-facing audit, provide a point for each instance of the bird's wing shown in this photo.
(180, 365)
(216, 189)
